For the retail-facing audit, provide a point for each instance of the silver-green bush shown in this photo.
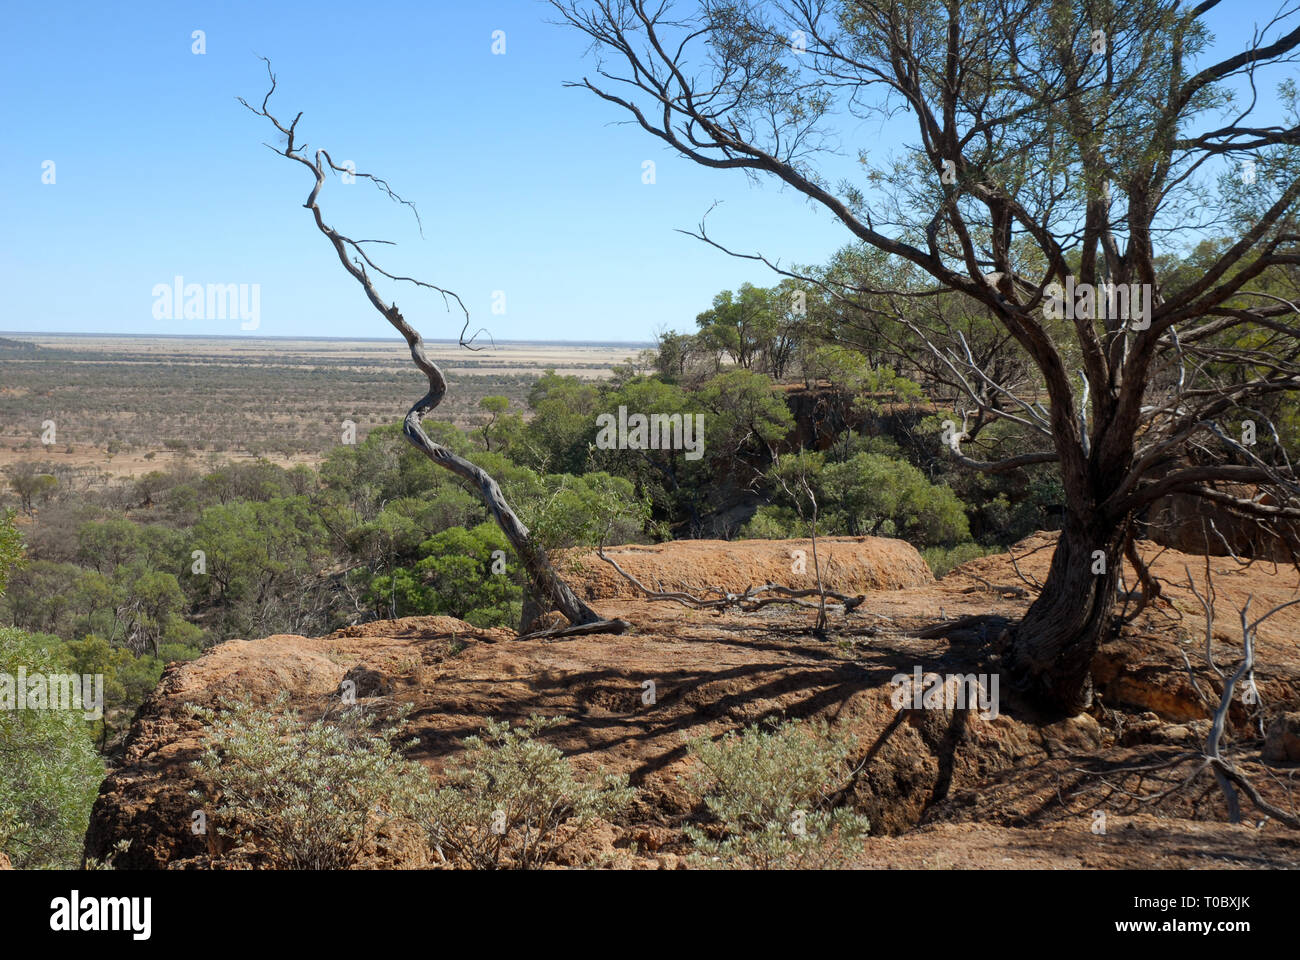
(515, 801)
(771, 793)
(49, 771)
(312, 796)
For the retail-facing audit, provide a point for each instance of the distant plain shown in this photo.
(126, 405)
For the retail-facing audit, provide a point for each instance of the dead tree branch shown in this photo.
(750, 599)
(545, 583)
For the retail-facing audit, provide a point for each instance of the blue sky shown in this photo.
(524, 187)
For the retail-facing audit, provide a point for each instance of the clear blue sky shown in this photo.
(524, 186)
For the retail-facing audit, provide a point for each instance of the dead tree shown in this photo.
(1056, 146)
(1211, 757)
(802, 486)
(545, 583)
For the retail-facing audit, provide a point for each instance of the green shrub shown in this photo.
(568, 511)
(771, 794)
(11, 547)
(873, 494)
(775, 523)
(49, 772)
(942, 560)
(454, 577)
(312, 796)
(868, 494)
(514, 801)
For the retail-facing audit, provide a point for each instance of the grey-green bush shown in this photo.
(515, 801)
(310, 796)
(771, 796)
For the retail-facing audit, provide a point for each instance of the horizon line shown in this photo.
(234, 336)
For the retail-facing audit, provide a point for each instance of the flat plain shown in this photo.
(126, 405)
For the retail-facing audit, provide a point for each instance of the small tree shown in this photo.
(31, 485)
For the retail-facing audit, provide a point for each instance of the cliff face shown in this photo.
(975, 782)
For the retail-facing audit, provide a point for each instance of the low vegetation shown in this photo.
(49, 769)
(306, 796)
(513, 800)
(771, 795)
(296, 795)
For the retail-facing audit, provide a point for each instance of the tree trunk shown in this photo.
(544, 581)
(1049, 655)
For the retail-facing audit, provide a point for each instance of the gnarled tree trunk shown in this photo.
(544, 582)
(1048, 657)
(543, 579)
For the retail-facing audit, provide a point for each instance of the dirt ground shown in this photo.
(943, 788)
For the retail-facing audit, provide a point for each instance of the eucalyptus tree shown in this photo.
(1052, 157)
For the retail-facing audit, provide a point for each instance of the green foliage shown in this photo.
(385, 467)
(132, 604)
(672, 355)
(455, 577)
(672, 484)
(103, 545)
(775, 523)
(771, 795)
(563, 423)
(31, 485)
(756, 328)
(258, 554)
(309, 796)
(568, 511)
(872, 493)
(850, 371)
(942, 560)
(503, 429)
(11, 548)
(1037, 495)
(49, 772)
(128, 678)
(868, 494)
(512, 800)
(744, 415)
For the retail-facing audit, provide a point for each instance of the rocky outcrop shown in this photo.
(849, 565)
(1189, 524)
(920, 772)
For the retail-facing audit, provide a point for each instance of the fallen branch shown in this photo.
(578, 630)
(747, 601)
